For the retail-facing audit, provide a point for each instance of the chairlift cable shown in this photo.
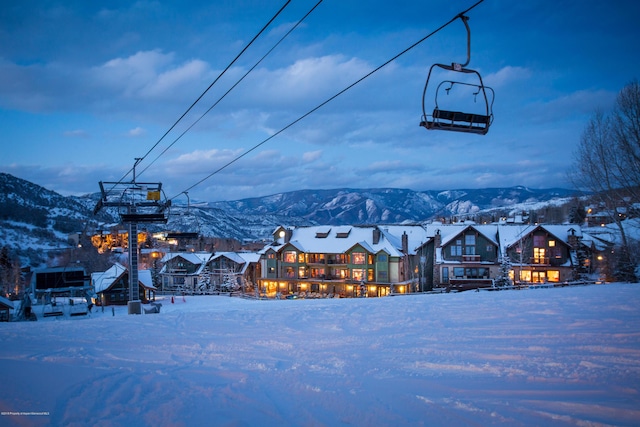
(207, 89)
(313, 110)
(233, 87)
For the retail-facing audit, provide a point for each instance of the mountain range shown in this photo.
(34, 219)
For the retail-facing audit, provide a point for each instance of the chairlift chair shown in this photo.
(458, 121)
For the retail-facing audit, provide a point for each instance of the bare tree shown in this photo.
(607, 165)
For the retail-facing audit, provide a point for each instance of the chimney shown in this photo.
(288, 233)
(572, 239)
(405, 243)
(376, 235)
(437, 242)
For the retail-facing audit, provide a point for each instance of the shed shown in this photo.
(5, 306)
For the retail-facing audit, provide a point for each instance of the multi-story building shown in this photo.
(340, 260)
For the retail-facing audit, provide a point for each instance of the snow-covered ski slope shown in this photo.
(535, 357)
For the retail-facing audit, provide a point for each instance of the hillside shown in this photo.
(34, 220)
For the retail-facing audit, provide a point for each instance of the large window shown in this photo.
(358, 274)
(290, 257)
(358, 258)
(456, 248)
(539, 256)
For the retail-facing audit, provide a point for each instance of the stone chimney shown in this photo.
(405, 243)
(572, 239)
(437, 242)
(288, 233)
(376, 235)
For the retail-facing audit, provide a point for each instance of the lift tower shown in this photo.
(137, 203)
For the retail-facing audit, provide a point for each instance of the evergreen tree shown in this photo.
(503, 279)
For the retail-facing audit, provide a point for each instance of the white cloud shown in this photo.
(506, 76)
(310, 156)
(135, 132)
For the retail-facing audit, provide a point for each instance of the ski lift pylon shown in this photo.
(452, 120)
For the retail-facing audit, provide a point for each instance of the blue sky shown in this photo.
(88, 86)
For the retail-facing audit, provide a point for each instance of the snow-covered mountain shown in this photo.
(33, 219)
(388, 205)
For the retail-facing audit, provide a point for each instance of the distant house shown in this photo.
(542, 253)
(112, 286)
(241, 267)
(5, 306)
(461, 256)
(182, 270)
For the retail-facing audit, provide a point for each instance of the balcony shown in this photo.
(539, 261)
(470, 258)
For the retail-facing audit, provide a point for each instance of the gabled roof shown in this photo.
(510, 235)
(102, 281)
(489, 232)
(195, 258)
(238, 257)
(6, 303)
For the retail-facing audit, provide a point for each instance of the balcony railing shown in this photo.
(470, 258)
(539, 261)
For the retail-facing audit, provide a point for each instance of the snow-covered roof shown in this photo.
(341, 239)
(233, 256)
(104, 280)
(145, 279)
(5, 302)
(449, 232)
(195, 258)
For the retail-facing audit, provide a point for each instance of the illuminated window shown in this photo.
(525, 276)
(301, 258)
(358, 274)
(358, 258)
(302, 272)
(290, 257)
(289, 273)
(539, 255)
(552, 243)
(553, 276)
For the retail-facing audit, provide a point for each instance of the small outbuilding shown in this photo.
(112, 286)
(5, 306)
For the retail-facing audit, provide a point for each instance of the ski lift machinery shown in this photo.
(477, 122)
